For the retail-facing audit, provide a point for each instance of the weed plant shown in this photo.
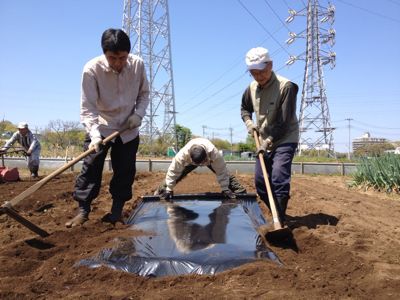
(380, 173)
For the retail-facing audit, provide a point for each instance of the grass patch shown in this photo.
(380, 173)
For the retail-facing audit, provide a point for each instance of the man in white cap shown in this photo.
(272, 98)
(29, 143)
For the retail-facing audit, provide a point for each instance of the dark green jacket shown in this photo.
(275, 108)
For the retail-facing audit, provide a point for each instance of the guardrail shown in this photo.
(235, 167)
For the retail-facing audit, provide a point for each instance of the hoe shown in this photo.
(279, 231)
(8, 207)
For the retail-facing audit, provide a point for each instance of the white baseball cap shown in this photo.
(257, 58)
(22, 125)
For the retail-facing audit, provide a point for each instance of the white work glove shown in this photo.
(251, 126)
(167, 195)
(134, 121)
(264, 146)
(228, 194)
(95, 143)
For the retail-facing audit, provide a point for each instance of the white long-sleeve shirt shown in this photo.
(182, 159)
(28, 142)
(108, 98)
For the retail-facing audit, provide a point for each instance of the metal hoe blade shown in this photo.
(7, 209)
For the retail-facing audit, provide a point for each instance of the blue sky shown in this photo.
(46, 43)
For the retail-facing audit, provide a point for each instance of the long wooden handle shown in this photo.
(43, 181)
(275, 216)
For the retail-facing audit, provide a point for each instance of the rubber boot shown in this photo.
(34, 172)
(235, 186)
(281, 204)
(81, 217)
(116, 213)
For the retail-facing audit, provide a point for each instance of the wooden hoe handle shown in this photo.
(7, 207)
(275, 216)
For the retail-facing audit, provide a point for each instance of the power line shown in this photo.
(276, 15)
(374, 126)
(216, 93)
(376, 132)
(213, 82)
(287, 5)
(216, 105)
(370, 11)
(394, 2)
(265, 29)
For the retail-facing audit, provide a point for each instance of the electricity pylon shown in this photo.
(147, 24)
(315, 125)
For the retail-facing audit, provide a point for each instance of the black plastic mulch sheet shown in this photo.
(196, 234)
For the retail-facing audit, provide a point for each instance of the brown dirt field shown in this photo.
(348, 247)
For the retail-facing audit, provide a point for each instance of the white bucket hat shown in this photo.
(22, 125)
(257, 58)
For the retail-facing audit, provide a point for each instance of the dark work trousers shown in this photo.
(234, 184)
(123, 160)
(279, 167)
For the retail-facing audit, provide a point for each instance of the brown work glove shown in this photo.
(134, 121)
(251, 126)
(264, 146)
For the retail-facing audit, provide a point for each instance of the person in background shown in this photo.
(199, 152)
(115, 96)
(272, 98)
(29, 143)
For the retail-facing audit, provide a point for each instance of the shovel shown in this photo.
(279, 231)
(8, 207)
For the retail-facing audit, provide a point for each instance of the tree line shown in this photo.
(65, 139)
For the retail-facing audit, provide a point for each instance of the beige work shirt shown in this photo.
(182, 159)
(108, 98)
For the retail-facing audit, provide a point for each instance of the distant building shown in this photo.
(225, 152)
(6, 134)
(247, 155)
(367, 140)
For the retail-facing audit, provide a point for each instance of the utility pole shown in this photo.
(204, 130)
(349, 126)
(231, 134)
(315, 125)
(147, 24)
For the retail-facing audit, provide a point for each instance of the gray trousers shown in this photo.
(34, 160)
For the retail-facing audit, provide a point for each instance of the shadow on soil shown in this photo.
(310, 221)
(38, 244)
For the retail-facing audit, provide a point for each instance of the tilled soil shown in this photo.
(346, 245)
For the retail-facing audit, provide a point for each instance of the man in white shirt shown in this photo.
(199, 152)
(115, 94)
